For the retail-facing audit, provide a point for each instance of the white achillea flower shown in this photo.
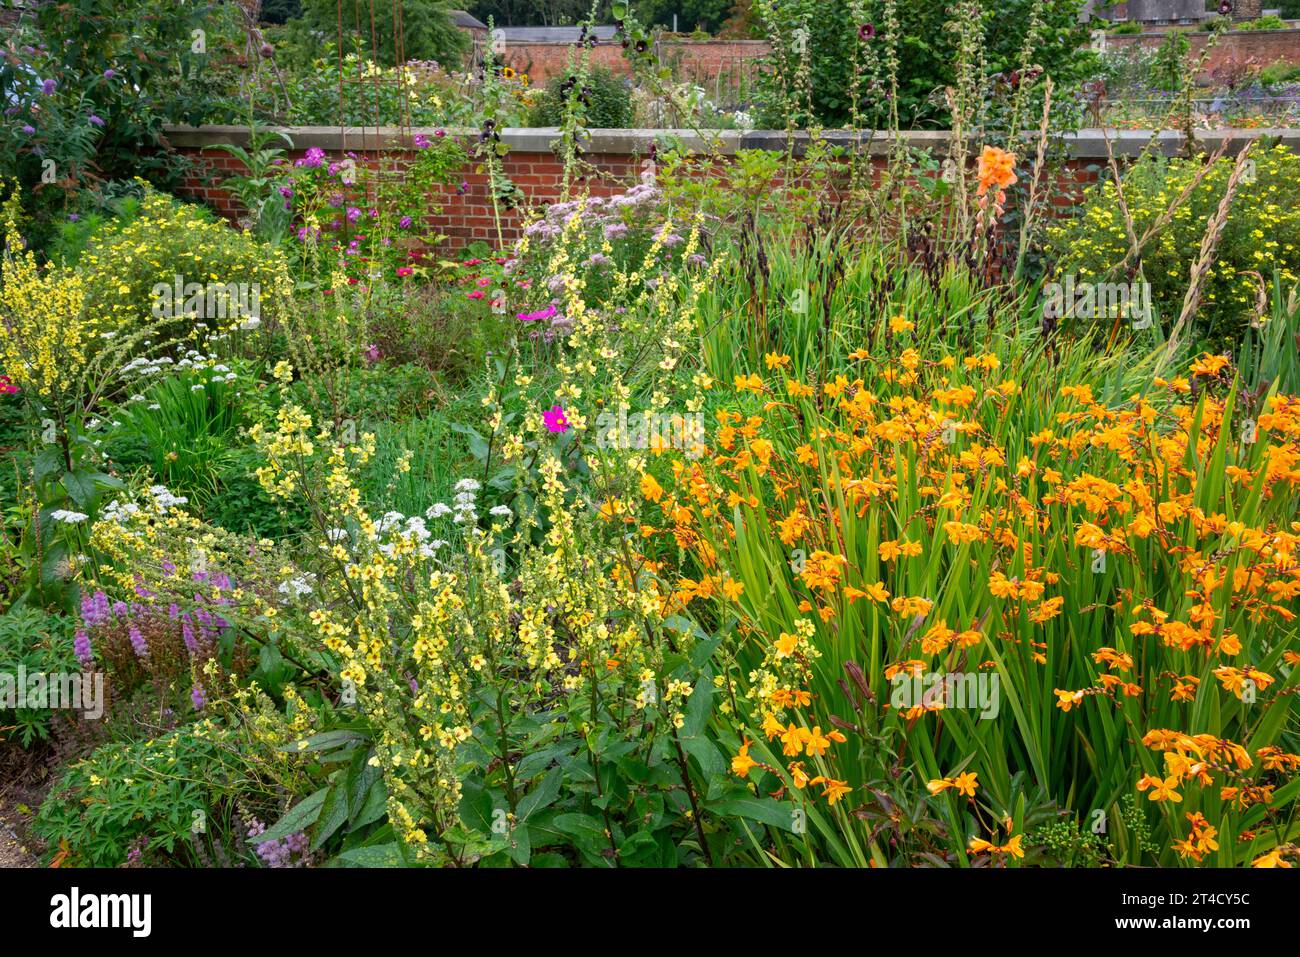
(296, 587)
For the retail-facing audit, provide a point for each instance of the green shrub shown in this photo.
(1276, 74)
(121, 70)
(1262, 234)
(123, 262)
(1270, 22)
(610, 102)
(1126, 27)
(1167, 69)
(427, 32)
(171, 798)
(39, 643)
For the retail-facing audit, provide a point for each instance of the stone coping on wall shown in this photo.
(1084, 144)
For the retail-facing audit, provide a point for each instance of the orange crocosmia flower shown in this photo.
(776, 361)
(1013, 847)
(1002, 587)
(1065, 700)
(1209, 365)
(792, 740)
(771, 726)
(1163, 790)
(786, 645)
(835, 790)
(742, 762)
(1272, 859)
(798, 776)
(651, 489)
(816, 744)
(732, 589)
(966, 783)
(1047, 610)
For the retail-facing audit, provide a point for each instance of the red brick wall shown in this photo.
(1257, 48)
(464, 213)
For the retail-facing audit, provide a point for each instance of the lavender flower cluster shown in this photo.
(200, 627)
(290, 851)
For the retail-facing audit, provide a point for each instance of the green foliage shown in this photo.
(925, 46)
(172, 797)
(1269, 22)
(609, 101)
(181, 428)
(244, 507)
(1262, 234)
(1169, 67)
(278, 11)
(692, 15)
(119, 72)
(1276, 74)
(40, 643)
(426, 33)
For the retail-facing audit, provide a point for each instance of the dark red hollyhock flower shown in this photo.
(866, 31)
(1225, 8)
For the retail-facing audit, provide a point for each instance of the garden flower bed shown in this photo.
(484, 497)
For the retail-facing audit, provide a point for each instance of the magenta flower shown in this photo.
(313, 158)
(555, 420)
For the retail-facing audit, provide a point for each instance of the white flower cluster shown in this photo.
(410, 529)
(163, 499)
(297, 587)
